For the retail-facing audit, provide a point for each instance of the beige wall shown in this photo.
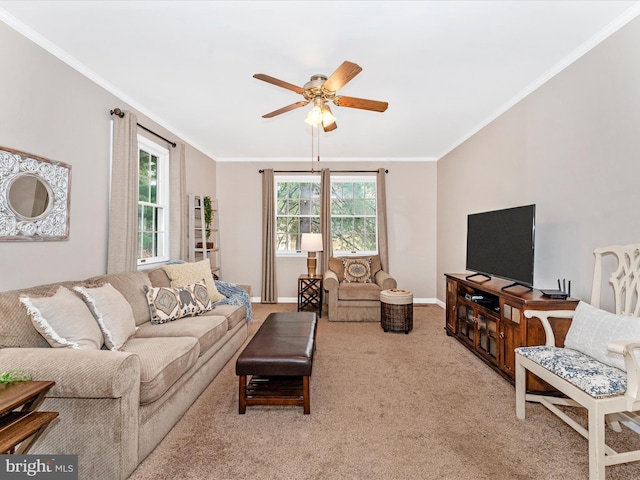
(50, 110)
(573, 148)
(411, 211)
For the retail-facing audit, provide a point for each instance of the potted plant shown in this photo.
(208, 219)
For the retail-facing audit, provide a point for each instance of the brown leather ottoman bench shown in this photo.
(278, 359)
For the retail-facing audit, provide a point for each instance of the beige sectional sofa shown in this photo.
(116, 406)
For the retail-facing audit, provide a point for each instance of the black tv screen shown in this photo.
(501, 243)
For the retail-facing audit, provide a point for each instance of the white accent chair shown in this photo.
(608, 393)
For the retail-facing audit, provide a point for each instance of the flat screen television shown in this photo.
(501, 243)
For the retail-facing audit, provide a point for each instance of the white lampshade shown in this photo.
(311, 242)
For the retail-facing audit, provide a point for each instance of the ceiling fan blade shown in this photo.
(279, 83)
(343, 74)
(329, 126)
(293, 106)
(362, 103)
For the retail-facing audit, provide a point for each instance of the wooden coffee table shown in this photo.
(20, 422)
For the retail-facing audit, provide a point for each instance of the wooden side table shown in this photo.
(20, 422)
(310, 293)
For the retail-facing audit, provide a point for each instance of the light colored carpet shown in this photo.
(383, 406)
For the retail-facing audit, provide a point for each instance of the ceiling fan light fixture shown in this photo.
(327, 117)
(314, 117)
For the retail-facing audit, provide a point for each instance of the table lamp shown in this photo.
(311, 243)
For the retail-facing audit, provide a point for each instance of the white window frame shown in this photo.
(334, 179)
(292, 179)
(162, 201)
(357, 179)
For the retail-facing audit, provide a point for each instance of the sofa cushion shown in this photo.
(357, 270)
(593, 329)
(234, 313)
(594, 377)
(112, 312)
(359, 291)
(64, 320)
(207, 329)
(131, 286)
(170, 303)
(163, 360)
(159, 277)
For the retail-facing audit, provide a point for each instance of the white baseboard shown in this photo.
(416, 301)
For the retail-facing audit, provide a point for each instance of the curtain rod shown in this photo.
(120, 113)
(318, 171)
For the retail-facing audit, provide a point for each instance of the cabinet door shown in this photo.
(509, 338)
(467, 324)
(451, 323)
(488, 336)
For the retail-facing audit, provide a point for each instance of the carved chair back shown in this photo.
(625, 279)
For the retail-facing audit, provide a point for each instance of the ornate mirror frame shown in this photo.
(49, 219)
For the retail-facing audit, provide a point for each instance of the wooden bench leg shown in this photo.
(242, 394)
(306, 395)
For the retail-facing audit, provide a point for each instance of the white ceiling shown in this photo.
(447, 68)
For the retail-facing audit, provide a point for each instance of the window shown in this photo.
(153, 202)
(354, 222)
(353, 212)
(297, 210)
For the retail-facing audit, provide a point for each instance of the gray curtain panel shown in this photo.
(269, 287)
(325, 219)
(177, 203)
(383, 248)
(123, 203)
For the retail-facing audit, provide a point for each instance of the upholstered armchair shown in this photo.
(353, 286)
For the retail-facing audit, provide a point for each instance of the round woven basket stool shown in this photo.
(396, 310)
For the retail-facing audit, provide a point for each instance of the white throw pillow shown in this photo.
(112, 312)
(593, 329)
(185, 274)
(64, 320)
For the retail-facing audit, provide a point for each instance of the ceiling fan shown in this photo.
(320, 91)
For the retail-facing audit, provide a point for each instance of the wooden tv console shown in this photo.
(490, 321)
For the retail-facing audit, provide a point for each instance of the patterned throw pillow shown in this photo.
(170, 303)
(184, 274)
(357, 270)
(112, 312)
(64, 320)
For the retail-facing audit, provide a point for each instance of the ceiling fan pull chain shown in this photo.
(318, 135)
(312, 149)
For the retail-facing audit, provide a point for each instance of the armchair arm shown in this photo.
(627, 348)
(330, 281)
(385, 281)
(78, 373)
(544, 316)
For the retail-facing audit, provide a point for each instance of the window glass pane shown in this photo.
(370, 206)
(147, 245)
(153, 179)
(282, 207)
(143, 177)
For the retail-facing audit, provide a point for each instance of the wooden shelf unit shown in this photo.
(198, 248)
(494, 325)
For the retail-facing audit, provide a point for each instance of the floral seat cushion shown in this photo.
(593, 377)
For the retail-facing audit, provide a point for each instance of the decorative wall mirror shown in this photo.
(34, 197)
